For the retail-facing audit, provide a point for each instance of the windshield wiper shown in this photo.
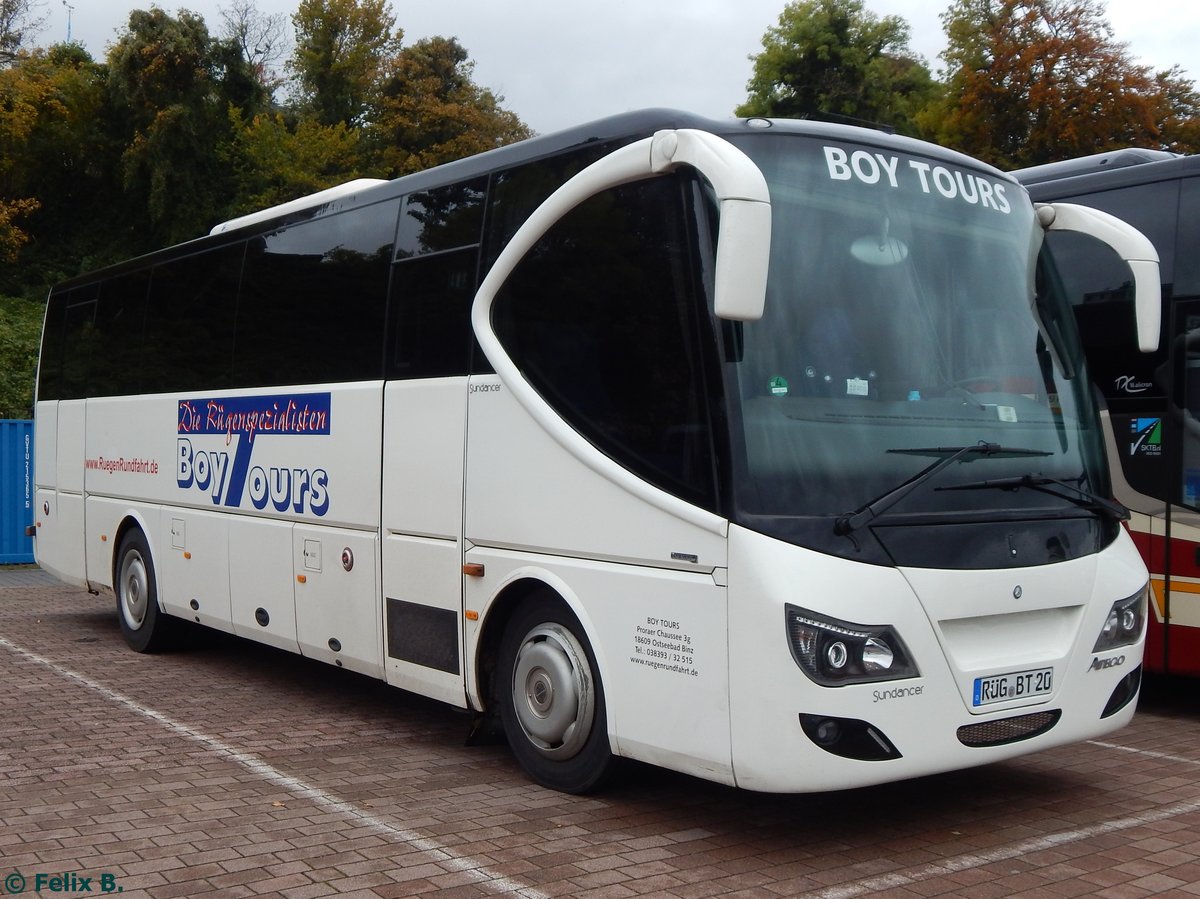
(1042, 483)
(852, 521)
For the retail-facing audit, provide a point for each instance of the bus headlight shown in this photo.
(834, 653)
(1124, 623)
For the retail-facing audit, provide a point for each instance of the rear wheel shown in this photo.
(143, 625)
(551, 699)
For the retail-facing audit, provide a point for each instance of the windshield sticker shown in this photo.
(778, 386)
(1147, 437)
(935, 180)
(247, 420)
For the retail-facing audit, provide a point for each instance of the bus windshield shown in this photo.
(908, 317)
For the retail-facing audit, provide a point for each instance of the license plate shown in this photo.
(1014, 685)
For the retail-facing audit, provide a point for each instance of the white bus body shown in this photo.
(509, 539)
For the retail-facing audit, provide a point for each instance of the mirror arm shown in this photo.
(1131, 245)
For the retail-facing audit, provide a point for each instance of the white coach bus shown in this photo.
(763, 451)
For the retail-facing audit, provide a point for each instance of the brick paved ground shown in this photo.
(229, 769)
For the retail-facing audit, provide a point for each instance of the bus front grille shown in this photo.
(1008, 730)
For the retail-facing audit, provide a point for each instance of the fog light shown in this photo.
(827, 732)
(849, 738)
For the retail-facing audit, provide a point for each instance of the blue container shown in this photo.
(16, 491)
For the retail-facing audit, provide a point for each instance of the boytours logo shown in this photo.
(242, 421)
(1147, 436)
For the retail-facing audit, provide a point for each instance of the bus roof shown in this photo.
(624, 127)
(1090, 165)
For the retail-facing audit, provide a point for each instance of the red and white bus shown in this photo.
(1151, 401)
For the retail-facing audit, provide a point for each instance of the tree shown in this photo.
(260, 40)
(276, 163)
(340, 48)
(18, 20)
(20, 333)
(20, 99)
(55, 158)
(428, 110)
(169, 89)
(833, 58)
(1033, 81)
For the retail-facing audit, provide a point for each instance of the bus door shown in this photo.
(423, 437)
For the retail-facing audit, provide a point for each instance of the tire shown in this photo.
(145, 627)
(551, 699)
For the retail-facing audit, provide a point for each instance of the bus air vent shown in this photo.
(1125, 692)
(1008, 730)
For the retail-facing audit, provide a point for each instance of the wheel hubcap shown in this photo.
(552, 691)
(135, 590)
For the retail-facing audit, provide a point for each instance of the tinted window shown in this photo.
(1187, 269)
(431, 318)
(443, 219)
(518, 192)
(602, 317)
(1099, 284)
(1151, 208)
(1186, 396)
(120, 322)
(312, 303)
(50, 361)
(81, 343)
(434, 280)
(190, 322)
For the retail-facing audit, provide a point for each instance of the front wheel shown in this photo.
(143, 625)
(551, 699)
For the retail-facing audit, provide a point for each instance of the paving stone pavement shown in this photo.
(230, 769)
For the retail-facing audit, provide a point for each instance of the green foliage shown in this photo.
(20, 100)
(53, 150)
(177, 128)
(276, 163)
(341, 46)
(20, 330)
(168, 94)
(835, 59)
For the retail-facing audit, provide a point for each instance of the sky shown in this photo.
(559, 63)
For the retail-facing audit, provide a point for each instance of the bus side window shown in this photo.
(190, 322)
(1187, 266)
(120, 323)
(82, 343)
(434, 280)
(604, 316)
(49, 386)
(313, 297)
(1099, 285)
(431, 315)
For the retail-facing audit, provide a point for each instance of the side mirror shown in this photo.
(1131, 245)
(744, 238)
(740, 280)
(743, 241)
